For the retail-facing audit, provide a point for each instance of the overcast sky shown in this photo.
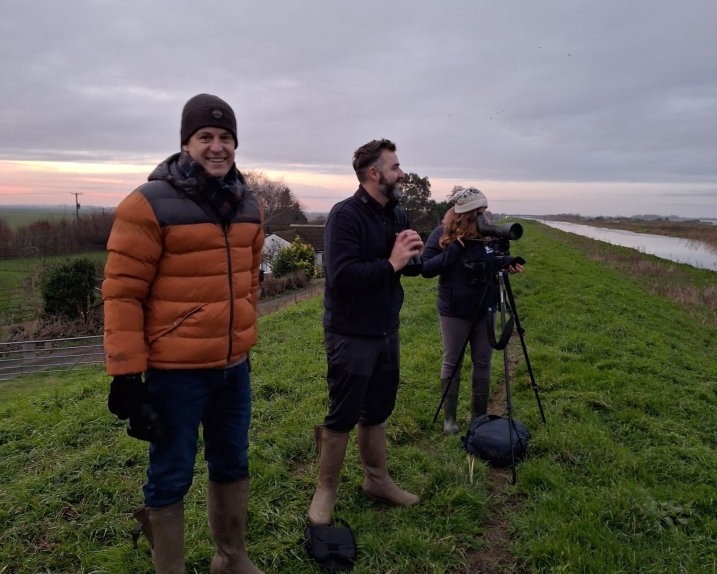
(598, 108)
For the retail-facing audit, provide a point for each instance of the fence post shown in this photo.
(29, 350)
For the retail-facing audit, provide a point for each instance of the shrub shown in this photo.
(68, 289)
(297, 257)
(273, 286)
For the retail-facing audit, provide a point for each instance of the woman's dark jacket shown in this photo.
(363, 294)
(463, 274)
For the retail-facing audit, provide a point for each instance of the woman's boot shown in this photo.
(332, 448)
(479, 397)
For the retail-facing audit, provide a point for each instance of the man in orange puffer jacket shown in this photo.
(180, 296)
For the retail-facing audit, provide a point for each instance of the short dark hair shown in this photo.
(368, 154)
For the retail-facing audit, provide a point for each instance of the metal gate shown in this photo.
(49, 356)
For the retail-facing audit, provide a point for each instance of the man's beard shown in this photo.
(390, 190)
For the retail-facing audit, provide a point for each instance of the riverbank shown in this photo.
(695, 230)
(692, 288)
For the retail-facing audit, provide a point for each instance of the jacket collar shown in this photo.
(374, 206)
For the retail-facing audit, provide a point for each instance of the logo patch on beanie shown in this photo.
(217, 113)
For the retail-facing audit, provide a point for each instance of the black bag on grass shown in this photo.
(333, 548)
(488, 438)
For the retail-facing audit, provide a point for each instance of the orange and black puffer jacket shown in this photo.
(181, 289)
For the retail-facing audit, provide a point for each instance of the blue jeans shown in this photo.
(219, 399)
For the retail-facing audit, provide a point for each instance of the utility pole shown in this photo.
(77, 204)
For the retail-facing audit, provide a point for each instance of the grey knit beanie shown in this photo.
(467, 199)
(206, 110)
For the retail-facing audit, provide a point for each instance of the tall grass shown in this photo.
(623, 478)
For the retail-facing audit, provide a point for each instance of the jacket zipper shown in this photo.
(231, 292)
(391, 288)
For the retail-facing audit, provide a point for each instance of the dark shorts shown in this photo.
(362, 378)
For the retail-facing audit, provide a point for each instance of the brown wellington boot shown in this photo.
(378, 485)
(332, 448)
(450, 405)
(226, 506)
(164, 529)
(479, 397)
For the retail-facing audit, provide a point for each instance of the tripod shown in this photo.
(504, 291)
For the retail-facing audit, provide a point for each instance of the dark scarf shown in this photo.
(224, 196)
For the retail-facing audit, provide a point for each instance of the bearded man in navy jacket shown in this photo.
(368, 245)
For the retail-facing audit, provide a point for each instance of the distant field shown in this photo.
(24, 215)
(17, 217)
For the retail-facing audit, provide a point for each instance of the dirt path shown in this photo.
(497, 557)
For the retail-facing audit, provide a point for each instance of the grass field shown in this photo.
(16, 280)
(24, 215)
(623, 478)
(13, 270)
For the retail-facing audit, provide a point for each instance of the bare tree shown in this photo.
(267, 191)
(280, 205)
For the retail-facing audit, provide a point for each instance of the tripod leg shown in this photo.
(508, 402)
(521, 331)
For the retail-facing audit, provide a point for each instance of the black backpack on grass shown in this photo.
(332, 547)
(488, 438)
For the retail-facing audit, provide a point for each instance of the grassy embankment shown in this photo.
(622, 479)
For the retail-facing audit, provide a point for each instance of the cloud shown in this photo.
(523, 91)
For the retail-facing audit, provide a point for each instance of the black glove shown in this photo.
(130, 399)
(127, 393)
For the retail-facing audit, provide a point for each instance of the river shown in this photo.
(695, 253)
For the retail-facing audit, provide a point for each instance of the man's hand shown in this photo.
(129, 399)
(408, 244)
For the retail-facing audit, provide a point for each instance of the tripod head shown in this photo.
(501, 251)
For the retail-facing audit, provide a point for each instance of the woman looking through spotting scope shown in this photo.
(465, 262)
